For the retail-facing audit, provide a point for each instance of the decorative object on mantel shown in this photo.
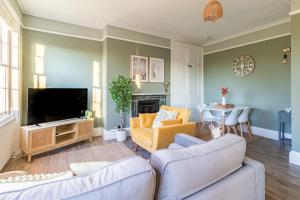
(243, 66)
(157, 69)
(224, 92)
(166, 86)
(285, 57)
(213, 11)
(139, 68)
(120, 90)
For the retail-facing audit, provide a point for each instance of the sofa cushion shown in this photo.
(146, 119)
(163, 115)
(186, 171)
(143, 135)
(170, 122)
(131, 178)
(27, 181)
(86, 168)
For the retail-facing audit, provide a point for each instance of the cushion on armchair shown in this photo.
(163, 115)
(170, 122)
(146, 119)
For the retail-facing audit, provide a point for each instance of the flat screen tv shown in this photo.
(53, 104)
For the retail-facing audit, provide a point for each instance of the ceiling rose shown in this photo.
(212, 11)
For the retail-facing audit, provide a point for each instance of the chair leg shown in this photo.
(249, 129)
(234, 129)
(241, 129)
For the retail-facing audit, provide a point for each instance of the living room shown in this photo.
(179, 100)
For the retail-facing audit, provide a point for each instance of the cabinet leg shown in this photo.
(91, 139)
(29, 158)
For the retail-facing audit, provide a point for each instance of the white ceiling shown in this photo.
(175, 19)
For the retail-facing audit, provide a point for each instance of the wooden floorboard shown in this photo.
(282, 178)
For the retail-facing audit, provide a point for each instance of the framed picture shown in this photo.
(157, 69)
(139, 68)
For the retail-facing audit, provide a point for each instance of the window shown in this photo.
(9, 70)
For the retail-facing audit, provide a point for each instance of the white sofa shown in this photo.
(132, 178)
(190, 169)
(194, 169)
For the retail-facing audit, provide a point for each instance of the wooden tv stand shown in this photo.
(53, 135)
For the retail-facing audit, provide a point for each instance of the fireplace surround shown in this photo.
(146, 103)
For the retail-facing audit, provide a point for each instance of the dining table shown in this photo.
(223, 110)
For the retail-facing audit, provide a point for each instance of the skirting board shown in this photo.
(267, 133)
(294, 158)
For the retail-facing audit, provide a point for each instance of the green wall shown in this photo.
(117, 62)
(68, 63)
(268, 89)
(296, 81)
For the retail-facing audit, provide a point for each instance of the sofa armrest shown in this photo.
(135, 123)
(259, 169)
(163, 136)
(187, 140)
(170, 122)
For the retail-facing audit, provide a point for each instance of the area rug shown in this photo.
(60, 161)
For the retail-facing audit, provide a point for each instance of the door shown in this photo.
(194, 82)
(186, 77)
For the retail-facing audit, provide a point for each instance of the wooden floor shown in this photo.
(282, 178)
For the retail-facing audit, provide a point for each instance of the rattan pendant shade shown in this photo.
(212, 11)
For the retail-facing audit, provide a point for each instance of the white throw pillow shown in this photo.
(164, 115)
(27, 181)
(86, 168)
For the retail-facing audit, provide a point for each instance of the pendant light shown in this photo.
(212, 11)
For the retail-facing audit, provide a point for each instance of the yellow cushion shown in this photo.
(143, 135)
(170, 122)
(183, 113)
(146, 119)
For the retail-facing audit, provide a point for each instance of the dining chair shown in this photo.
(244, 119)
(207, 118)
(231, 120)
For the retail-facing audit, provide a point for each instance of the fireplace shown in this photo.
(146, 103)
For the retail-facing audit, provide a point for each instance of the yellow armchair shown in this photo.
(153, 139)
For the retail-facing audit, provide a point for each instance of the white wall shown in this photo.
(9, 141)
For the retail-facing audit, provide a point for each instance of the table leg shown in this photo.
(223, 123)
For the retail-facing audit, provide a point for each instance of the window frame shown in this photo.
(9, 108)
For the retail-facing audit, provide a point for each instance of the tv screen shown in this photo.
(52, 104)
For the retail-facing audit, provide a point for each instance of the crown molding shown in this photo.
(248, 43)
(91, 38)
(294, 12)
(135, 41)
(259, 28)
(60, 33)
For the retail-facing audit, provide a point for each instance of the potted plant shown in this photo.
(121, 91)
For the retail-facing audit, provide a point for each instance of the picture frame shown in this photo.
(157, 70)
(139, 68)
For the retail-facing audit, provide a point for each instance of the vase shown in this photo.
(223, 101)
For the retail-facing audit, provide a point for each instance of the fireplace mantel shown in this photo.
(149, 94)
